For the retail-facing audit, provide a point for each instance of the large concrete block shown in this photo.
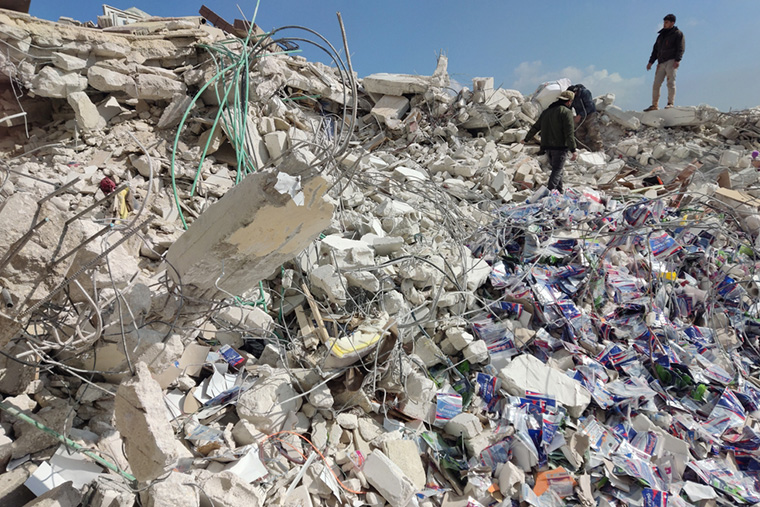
(395, 84)
(55, 83)
(142, 420)
(390, 107)
(248, 233)
(153, 87)
(388, 479)
(107, 80)
(87, 115)
(68, 63)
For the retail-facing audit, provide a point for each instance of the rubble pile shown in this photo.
(233, 276)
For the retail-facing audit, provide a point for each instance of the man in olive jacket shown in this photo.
(557, 136)
(667, 51)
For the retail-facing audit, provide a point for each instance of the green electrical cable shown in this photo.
(67, 441)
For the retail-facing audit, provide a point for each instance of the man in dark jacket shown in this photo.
(557, 136)
(586, 118)
(668, 50)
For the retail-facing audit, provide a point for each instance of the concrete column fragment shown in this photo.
(248, 233)
(142, 420)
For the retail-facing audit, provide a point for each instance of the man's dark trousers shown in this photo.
(557, 162)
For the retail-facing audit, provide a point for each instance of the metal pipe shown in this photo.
(7, 298)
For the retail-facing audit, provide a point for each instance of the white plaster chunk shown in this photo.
(172, 114)
(418, 387)
(245, 433)
(321, 397)
(141, 418)
(591, 158)
(345, 253)
(458, 338)
(388, 479)
(347, 421)
(87, 115)
(384, 245)
(110, 108)
(226, 488)
(402, 173)
(394, 303)
(364, 280)
(510, 476)
(276, 143)
(476, 270)
(730, 158)
(55, 83)
(392, 208)
(268, 403)
(626, 119)
(176, 490)
(528, 373)
(248, 316)
(466, 425)
(476, 352)
(390, 107)
(326, 281)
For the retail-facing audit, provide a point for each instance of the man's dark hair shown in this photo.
(670, 17)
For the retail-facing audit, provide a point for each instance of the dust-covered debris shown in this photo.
(233, 276)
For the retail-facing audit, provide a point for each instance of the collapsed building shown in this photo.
(231, 276)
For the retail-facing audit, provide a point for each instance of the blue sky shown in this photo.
(604, 44)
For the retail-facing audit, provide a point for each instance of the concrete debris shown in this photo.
(349, 291)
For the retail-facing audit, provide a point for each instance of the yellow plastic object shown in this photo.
(355, 343)
(122, 203)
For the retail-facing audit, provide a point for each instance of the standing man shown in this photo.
(668, 50)
(557, 135)
(586, 118)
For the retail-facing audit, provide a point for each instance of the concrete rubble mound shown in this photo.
(233, 276)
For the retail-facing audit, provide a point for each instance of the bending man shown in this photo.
(586, 119)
